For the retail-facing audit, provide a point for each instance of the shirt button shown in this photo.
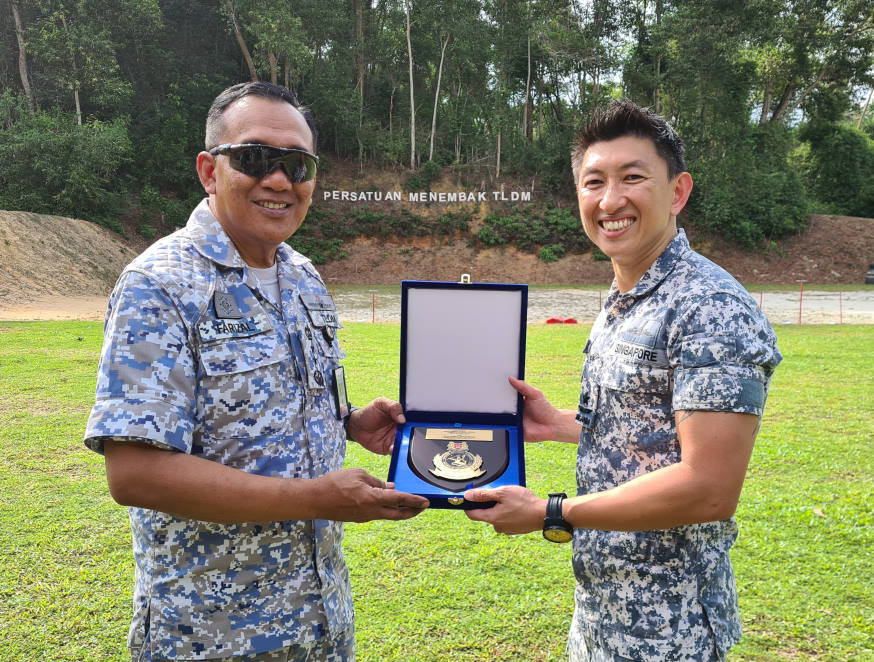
(320, 380)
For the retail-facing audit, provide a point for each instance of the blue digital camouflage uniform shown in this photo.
(686, 337)
(197, 360)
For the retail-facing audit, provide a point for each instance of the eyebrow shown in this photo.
(625, 166)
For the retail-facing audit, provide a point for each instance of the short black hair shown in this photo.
(214, 118)
(626, 118)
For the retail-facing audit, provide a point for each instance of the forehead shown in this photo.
(622, 153)
(269, 121)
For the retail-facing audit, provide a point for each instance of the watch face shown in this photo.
(558, 535)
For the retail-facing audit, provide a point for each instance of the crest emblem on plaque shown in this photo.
(457, 462)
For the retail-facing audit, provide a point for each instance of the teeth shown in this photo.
(274, 205)
(612, 226)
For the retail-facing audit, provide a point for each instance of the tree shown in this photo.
(22, 55)
(805, 47)
(241, 42)
(74, 43)
(408, 7)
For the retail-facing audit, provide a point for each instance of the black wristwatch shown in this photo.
(352, 410)
(555, 527)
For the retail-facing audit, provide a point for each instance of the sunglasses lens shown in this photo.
(299, 167)
(259, 160)
(250, 160)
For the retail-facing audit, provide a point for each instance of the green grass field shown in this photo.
(440, 587)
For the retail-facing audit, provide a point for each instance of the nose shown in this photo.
(613, 197)
(277, 179)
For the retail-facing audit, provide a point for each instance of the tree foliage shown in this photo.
(767, 94)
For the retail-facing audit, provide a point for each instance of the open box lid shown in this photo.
(459, 343)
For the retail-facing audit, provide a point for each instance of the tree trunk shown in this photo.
(22, 56)
(75, 77)
(274, 72)
(803, 96)
(784, 101)
(498, 157)
(359, 47)
(766, 101)
(412, 94)
(240, 41)
(359, 66)
(391, 104)
(437, 98)
(527, 124)
(865, 109)
(78, 106)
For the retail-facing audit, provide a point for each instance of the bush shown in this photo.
(422, 180)
(748, 191)
(531, 227)
(838, 168)
(551, 253)
(50, 165)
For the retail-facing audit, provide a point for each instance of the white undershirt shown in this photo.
(268, 280)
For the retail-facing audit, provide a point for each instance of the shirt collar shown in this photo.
(664, 264)
(214, 244)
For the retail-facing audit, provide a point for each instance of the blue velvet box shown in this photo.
(459, 343)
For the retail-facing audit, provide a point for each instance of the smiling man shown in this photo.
(221, 411)
(675, 380)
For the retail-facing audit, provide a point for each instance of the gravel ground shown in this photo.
(817, 307)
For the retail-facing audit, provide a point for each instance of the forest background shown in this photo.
(102, 105)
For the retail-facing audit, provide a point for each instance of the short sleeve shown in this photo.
(723, 351)
(146, 378)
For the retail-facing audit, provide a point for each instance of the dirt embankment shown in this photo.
(55, 267)
(834, 249)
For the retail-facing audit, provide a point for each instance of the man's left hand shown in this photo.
(518, 509)
(374, 426)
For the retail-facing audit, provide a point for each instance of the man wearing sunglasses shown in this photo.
(221, 411)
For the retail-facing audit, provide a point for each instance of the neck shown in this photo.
(628, 274)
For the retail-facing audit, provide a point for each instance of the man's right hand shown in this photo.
(353, 495)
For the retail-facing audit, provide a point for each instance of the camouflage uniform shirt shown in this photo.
(195, 359)
(686, 337)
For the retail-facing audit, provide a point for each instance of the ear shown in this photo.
(206, 171)
(682, 191)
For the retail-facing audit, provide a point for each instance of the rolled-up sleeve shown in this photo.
(723, 354)
(146, 378)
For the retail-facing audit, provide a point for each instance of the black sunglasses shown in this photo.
(260, 160)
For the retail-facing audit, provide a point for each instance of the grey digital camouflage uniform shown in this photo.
(686, 337)
(197, 360)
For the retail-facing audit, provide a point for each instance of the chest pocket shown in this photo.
(317, 333)
(322, 317)
(235, 355)
(636, 377)
(246, 389)
(644, 392)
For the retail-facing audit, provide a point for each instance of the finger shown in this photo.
(481, 495)
(397, 499)
(525, 388)
(392, 408)
(371, 481)
(401, 513)
(479, 514)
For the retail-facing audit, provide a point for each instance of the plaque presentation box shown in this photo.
(459, 343)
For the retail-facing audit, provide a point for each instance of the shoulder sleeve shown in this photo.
(146, 378)
(723, 351)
